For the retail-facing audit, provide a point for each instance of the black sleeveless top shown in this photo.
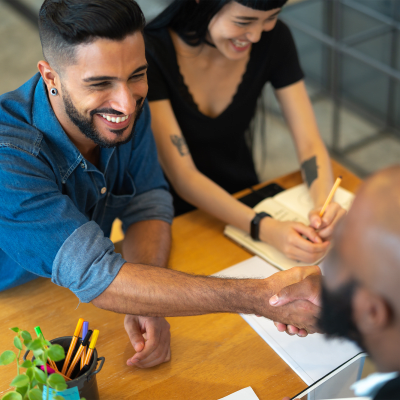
(218, 145)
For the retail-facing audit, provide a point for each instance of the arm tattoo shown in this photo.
(310, 170)
(180, 143)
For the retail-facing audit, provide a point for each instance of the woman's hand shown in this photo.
(326, 224)
(294, 239)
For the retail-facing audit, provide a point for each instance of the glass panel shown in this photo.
(314, 58)
(378, 48)
(312, 13)
(385, 7)
(365, 86)
(354, 22)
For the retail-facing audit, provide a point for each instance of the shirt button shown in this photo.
(103, 190)
(83, 165)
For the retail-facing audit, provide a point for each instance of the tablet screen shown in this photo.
(336, 385)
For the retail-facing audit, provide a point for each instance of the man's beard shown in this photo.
(336, 318)
(86, 125)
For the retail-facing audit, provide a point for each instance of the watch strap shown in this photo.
(255, 225)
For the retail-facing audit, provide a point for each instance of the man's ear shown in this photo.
(371, 313)
(49, 76)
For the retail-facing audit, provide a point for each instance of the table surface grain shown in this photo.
(212, 355)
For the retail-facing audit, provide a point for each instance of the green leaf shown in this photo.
(56, 352)
(30, 373)
(20, 380)
(57, 397)
(16, 330)
(7, 357)
(40, 386)
(26, 335)
(40, 376)
(27, 342)
(17, 343)
(35, 344)
(22, 390)
(38, 361)
(57, 382)
(35, 394)
(12, 396)
(27, 364)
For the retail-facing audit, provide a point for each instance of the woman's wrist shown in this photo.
(267, 229)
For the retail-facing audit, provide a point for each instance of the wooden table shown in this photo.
(212, 355)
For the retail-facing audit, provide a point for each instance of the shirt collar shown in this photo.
(66, 153)
(371, 385)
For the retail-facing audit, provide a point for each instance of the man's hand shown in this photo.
(294, 239)
(326, 224)
(150, 337)
(302, 313)
(309, 289)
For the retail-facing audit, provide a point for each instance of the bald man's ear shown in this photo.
(50, 77)
(371, 313)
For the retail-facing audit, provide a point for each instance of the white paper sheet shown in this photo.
(244, 394)
(312, 357)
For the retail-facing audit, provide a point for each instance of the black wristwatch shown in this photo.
(255, 225)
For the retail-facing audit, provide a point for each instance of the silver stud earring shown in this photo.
(54, 91)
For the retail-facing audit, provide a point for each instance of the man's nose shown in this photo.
(123, 100)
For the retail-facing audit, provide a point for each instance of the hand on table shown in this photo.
(150, 337)
(326, 224)
(309, 290)
(287, 237)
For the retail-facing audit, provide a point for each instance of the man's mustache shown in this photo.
(111, 110)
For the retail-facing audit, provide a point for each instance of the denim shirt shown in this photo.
(56, 208)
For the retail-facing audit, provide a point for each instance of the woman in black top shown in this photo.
(208, 61)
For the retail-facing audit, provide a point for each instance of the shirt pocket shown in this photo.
(125, 195)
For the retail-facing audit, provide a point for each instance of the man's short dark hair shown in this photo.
(64, 24)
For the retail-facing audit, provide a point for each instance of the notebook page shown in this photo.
(298, 199)
(263, 250)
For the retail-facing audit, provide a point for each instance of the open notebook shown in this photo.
(311, 357)
(290, 205)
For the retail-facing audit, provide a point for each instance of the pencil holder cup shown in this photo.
(84, 385)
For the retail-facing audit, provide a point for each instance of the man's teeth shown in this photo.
(239, 43)
(115, 119)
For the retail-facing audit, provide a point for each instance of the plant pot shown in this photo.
(82, 386)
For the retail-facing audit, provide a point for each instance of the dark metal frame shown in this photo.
(340, 47)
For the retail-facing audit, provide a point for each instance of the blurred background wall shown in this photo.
(350, 53)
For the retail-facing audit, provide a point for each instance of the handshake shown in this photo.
(296, 304)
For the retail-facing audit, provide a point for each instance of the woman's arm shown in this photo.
(202, 192)
(312, 153)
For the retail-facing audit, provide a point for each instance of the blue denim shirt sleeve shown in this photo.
(42, 230)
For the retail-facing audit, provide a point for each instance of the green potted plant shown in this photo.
(30, 380)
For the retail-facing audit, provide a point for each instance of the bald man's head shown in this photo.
(362, 283)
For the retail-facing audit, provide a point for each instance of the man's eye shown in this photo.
(100, 84)
(242, 23)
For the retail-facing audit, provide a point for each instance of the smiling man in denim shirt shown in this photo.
(76, 152)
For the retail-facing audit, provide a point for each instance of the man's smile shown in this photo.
(115, 121)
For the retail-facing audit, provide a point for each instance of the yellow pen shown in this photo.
(72, 345)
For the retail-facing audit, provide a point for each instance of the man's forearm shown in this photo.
(152, 291)
(147, 290)
(148, 242)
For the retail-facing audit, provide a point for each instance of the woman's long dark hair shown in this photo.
(190, 19)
